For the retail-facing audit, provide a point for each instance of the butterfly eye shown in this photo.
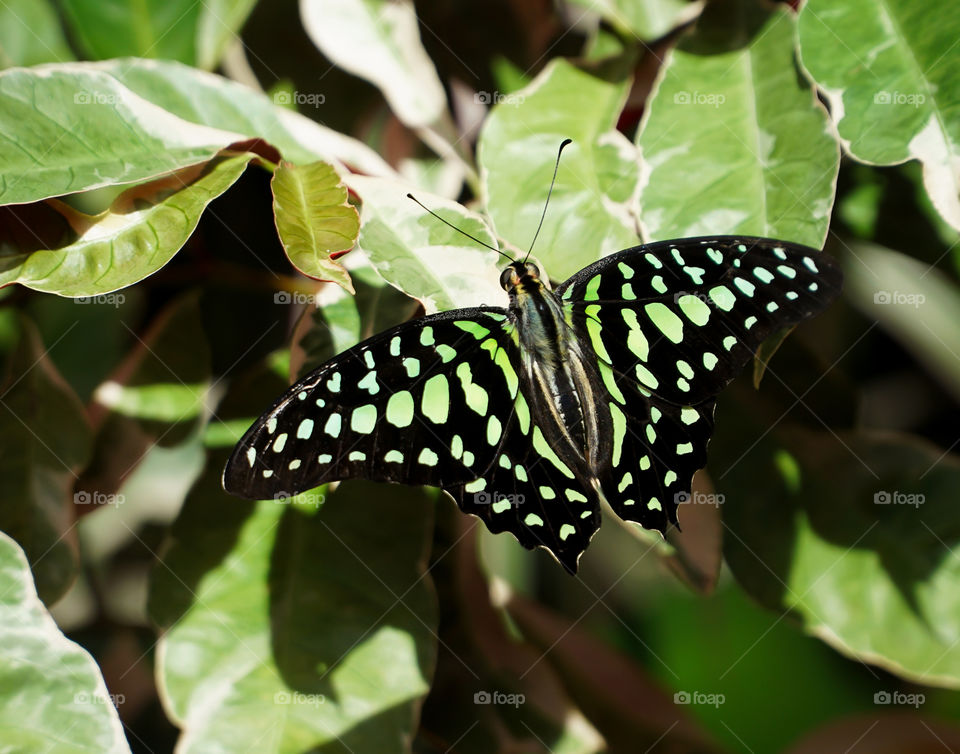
(532, 270)
(508, 279)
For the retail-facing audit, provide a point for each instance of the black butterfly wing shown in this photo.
(672, 323)
(530, 492)
(401, 406)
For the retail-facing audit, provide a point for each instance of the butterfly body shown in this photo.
(531, 415)
(559, 380)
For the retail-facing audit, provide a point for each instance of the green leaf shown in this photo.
(314, 219)
(889, 73)
(191, 32)
(44, 441)
(129, 120)
(78, 128)
(297, 627)
(419, 254)
(858, 541)
(593, 206)
(215, 101)
(163, 402)
(917, 304)
(30, 34)
(91, 338)
(392, 57)
(166, 379)
(646, 20)
(140, 233)
(149, 29)
(218, 26)
(55, 700)
(735, 141)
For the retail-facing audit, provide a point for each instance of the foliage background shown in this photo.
(155, 220)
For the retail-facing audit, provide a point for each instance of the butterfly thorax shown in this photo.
(560, 381)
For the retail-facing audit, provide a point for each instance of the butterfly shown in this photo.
(530, 415)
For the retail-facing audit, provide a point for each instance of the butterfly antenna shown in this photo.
(546, 204)
(463, 232)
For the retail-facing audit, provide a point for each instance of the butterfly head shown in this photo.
(523, 275)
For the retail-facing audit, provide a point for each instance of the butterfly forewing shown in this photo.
(682, 318)
(403, 406)
(672, 323)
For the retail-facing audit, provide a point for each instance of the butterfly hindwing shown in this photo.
(660, 446)
(530, 492)
(398, 407)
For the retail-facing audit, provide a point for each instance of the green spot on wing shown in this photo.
(592, 291)
(436, 399)
(475, 396)
(636, 340)
(619, 432)
(400, 409)
(364, 419)
(722, 297)
(427, 457)
(540, 445)
(369, 382)
(476, 330)
(445, 352)
(494, 430)
(665, 321)
(305, 429)
(332, 427)
(694, 309)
